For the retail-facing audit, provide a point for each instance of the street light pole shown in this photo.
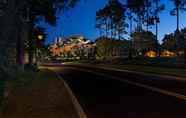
(39, 38)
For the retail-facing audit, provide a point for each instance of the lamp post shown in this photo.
(40, 37)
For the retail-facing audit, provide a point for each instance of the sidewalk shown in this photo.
(45, 97)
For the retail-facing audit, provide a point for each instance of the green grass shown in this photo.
(161, 66)
(153, 70)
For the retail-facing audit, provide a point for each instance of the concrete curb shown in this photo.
(77, 106)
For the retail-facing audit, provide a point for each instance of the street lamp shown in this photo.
(40, 37)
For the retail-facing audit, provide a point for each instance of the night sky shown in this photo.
(81, 21)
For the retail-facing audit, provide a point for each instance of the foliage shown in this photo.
(169, 42)
(110, 47)
(181, 42)
(145, 12)
(111, 19)
(179, 6)
(138, 8)
(44, 8)
(144, 41)
(32, 11)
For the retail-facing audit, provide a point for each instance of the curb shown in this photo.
(77, 106)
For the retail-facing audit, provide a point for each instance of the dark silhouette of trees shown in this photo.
(111, 20)
(144, 41)
(33, 10)
(137, 7)
(107, 48)
(102, 21)
(169, 42)
(158, 8)
(145, 11)
(179, 6)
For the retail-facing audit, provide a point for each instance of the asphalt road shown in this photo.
(105, 97)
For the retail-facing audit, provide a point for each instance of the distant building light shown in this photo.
(167, 53)
(151, 54)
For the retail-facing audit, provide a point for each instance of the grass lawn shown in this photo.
(151, 69)
(160, 66)
(37, 95)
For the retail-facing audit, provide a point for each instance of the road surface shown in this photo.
(103, 94)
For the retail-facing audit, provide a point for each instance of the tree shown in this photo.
(144, 41)
(102, 21)
(157, 9)
(112, 19)
(182, 39)
(130, 16)
(147, 13)
(33, 10)
(103, 47)
(137, 7)
(169, 42)
(118, 18)
(111, 47)
(179, 6)
(8, 38)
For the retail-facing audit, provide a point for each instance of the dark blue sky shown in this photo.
(81, 21)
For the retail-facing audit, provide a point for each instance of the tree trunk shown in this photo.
(156, 30)
(30, 42)
(20, 50)
(177, 10)
(130, 26)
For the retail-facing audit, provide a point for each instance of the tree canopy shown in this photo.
(111, 19)
(144, 41)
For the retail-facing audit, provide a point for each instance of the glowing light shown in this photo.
(40, 37)
(151, 54)
(168, 53)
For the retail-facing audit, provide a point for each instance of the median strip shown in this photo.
(155, 89)
(106, 67)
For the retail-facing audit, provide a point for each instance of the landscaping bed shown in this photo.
(37, 95)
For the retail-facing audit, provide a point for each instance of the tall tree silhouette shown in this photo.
(179, 6)
(137, 7)
(102, 21)
(112, 18)
(158, 8)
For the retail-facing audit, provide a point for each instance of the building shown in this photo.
(76, 47)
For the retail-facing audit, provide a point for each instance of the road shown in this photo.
(103, 96)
